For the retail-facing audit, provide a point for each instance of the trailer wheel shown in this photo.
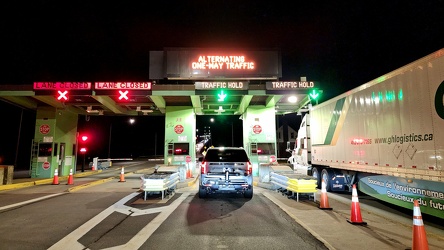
(315, 173)
(326, 176)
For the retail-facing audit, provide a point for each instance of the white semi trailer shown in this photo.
(386, 135)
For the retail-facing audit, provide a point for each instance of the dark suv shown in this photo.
(226, 170)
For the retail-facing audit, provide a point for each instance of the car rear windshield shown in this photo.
(226, 155)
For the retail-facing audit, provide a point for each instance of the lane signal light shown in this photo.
(123, 95)
(314, 94)
(84, 139)
(62, 95)
(221, 96)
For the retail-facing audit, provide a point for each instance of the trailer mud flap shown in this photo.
(337, 183)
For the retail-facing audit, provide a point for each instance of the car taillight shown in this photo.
(249, 168)
(203, 167)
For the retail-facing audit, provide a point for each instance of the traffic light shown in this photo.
(314, 95)
(83, 141)
(62, 95)
(221, 95)
(83, 148)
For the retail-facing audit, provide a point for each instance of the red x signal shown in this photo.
(123, 95)
(63, 96)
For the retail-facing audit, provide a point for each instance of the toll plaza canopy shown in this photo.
(212, 81)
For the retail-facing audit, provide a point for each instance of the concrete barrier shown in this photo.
(6, 174)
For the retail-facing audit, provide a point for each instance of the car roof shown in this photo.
(224, 148)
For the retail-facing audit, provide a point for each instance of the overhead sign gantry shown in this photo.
(183, 83)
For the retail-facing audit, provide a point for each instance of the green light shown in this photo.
(380, 79)
(400, 95)
(314, 94)
(221, 95)
(390, 96)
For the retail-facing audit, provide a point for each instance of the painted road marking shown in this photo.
(72, 239)
(29, 201)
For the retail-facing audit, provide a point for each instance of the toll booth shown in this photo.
(259, 131)
(54, 143)
(180, 134)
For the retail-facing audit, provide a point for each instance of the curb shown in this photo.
(44, 181)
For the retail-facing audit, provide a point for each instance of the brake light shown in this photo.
(203, 167)
(249, 168)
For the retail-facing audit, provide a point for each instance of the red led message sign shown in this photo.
(62, 85)
(230, 62)
(216, 64)
(122, 85)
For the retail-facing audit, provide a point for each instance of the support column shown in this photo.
(259, 132)
(54, 142)
(180, 136)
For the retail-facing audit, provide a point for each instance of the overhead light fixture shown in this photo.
(90, 110)
(220, 110)
(292, 99)
(144, 111)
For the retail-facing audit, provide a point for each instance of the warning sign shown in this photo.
(44, 129)
(272, 158)
(257, 129)
(46, 165)
(178, 129)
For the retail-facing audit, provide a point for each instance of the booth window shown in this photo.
(45, 149)
(265, 149)
(181, 148)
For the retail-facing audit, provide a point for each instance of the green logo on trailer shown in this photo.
(439, 100)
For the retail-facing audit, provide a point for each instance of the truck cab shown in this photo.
(301, 153)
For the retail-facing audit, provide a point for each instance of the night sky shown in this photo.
(340, 44)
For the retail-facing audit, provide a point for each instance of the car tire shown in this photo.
(202, 193)
(248, 194)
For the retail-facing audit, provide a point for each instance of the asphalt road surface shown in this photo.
(111, 214)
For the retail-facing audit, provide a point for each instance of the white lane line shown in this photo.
(29, 201)
(71, 239)
(137, 241)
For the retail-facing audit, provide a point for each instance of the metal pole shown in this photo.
(155, 144)
(18, 139)
(232, 137)
(83, 165)
(77, 150)
(109, 141)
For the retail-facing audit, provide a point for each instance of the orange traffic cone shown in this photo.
(356, 218)
(324, 198)
(188, 173)
(419, 235)
(70, 178)
(122, 175)
(55, 181)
